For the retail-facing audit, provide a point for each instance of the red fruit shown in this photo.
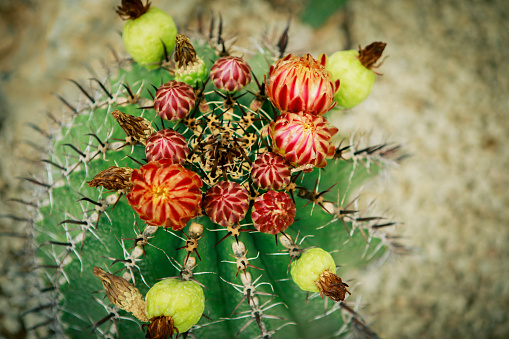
(167, 144)
(230, 73)
(301, 85)
(226, 203)
(271, 171)
(174, 100)
(165, 194)
(303, 138)
(273, 212)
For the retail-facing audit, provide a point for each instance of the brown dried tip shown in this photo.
(113, 178)
(332, 286)
(132, 9)
(371, 53)
(184, 51)
(122, 293)
(160, 328)
(138, 128)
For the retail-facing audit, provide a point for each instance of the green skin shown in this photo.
(356, 80)
(143, 36)
(184, 301)
(308, 268)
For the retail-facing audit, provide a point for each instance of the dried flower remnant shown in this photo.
(330, 285)
(132, 9)
(161, 327)
(184, 51)
(113, 178)
(122, 293)
(138, 129)
(369, 55)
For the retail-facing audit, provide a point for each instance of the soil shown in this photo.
(443, 94)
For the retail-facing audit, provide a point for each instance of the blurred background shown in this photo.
(443, 94)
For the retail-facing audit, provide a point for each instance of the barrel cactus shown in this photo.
(178, 196)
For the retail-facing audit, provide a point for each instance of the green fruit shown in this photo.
(144, 37)
(182, 300)
(307, 269)
(356, 80)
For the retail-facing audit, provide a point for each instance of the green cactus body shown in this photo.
(248, 292)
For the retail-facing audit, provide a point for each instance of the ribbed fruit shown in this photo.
(303, 138)
(353, 68)
(167, 144)
(144, 37)
(230, 73)
(301, 84)
(273, 212)
(307, 269)
(271, 171)
(315, 271)
(183, 301)
(226, 203)
(165, 194)
(174, 100)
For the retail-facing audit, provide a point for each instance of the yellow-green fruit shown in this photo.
(308, 268)
(355, 79)
(182, 300)
(143, 36)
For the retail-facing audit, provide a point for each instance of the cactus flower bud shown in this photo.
(230, 74)
(226, 203)
(273, 212)
(167, 144)
(271, 171)
(301, 84)
(174, 100)
(165, 194)
(303, 139)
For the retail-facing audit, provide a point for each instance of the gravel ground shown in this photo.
(443, 94)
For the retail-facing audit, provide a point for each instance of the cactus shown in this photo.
(204, 180)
